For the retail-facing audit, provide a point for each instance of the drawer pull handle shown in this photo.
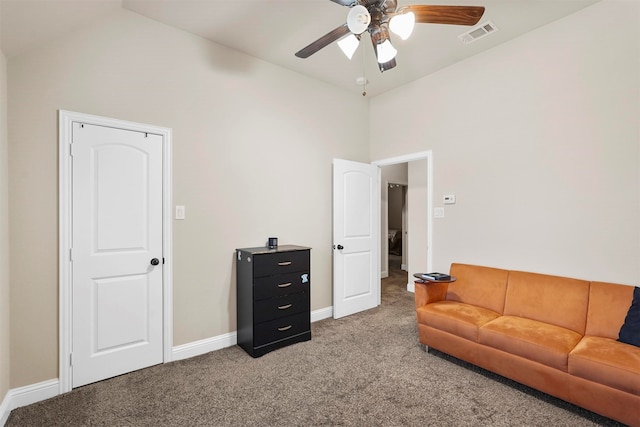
(284, 307)
(284, 328)
(284, 285)
(284, 263)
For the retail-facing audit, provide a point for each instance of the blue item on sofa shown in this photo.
(630, 330)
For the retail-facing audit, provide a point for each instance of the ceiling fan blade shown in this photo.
(454, 15)
(323, 41)
(346, 2)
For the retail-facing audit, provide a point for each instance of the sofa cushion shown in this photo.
(630, 331)
(456, 318)
(607, 361)
(541, 342)
(481, 286)
(608, 305)
(559, 301)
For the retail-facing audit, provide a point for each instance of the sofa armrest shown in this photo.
(426, 293)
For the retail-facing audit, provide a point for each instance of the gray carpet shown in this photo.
(364, 370)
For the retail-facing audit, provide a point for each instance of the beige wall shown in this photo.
(539, 140)
(4, 236)
(252, 150)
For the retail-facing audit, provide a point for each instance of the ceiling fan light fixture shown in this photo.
(349, 44)
(387, 65)
(385, 52)
(403, 24)
(358, 19)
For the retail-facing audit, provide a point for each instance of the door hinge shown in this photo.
(70, 359)
(71, 254)
(73, 137)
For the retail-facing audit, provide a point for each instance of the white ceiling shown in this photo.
(274, 30)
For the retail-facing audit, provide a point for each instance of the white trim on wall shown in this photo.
(64, 148)
(323, 313)
(196, 348)
(207, 345)
(27, 395)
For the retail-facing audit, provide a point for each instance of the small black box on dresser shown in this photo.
(273, 297)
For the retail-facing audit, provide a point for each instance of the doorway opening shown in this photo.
(417, 235)
(396, 227)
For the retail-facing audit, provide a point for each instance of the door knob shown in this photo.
(340, 247)
(155, 261)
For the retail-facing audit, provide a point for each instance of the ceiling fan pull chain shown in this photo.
(364, 73)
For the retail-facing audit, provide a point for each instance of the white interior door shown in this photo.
(117, 258)
(356, 240)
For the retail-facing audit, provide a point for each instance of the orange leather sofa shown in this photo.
(555, 334)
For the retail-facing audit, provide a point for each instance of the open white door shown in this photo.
(356, 228)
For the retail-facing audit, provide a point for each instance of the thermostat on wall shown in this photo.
(449, 199)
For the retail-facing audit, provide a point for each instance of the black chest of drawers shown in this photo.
(273, 299)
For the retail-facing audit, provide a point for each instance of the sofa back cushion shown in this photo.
(481, 286)
(559, 301)
(608, 306)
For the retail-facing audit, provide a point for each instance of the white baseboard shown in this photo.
(219, 342)
(207, 345)
(411, 287)
(27, 395)
(323, 313)
(4, 410)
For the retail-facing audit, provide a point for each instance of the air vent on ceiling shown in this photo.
(478, 32)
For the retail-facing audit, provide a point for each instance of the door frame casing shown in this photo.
(65, 120)
(428, 156)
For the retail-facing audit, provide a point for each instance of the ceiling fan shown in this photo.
(378, 17)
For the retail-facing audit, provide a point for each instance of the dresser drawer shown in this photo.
(285, 327)
(287, 305)
(280, 263)
(284, 284)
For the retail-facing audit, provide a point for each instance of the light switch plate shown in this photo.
(438, 212)
(180, 212)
